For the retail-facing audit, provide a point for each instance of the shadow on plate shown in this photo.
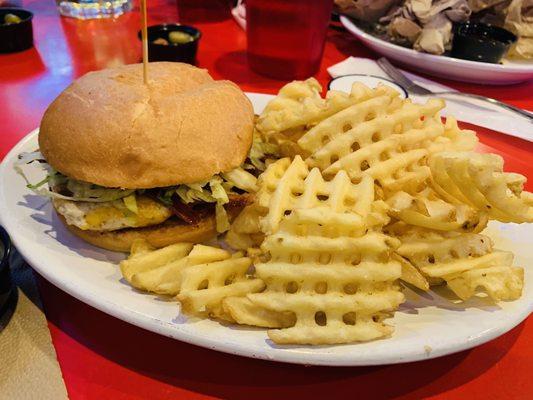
(45, 215)
(444, 298)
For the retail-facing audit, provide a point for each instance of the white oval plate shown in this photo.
(426, 327)
(445, 67)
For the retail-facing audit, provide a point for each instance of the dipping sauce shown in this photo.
(174, 38)
(11, 19)
(173, 42)
(481, 42)
(16, 31)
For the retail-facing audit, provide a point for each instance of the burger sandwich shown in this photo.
(166, 162)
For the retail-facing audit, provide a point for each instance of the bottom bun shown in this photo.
(161, 235)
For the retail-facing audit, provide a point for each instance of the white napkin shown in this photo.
(239, 14)
(468, 110)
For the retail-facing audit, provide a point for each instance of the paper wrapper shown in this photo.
(513, 15)
(519, 20)
(28, 363)
(426, 24)
(365, 10)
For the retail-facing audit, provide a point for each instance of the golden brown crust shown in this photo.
(170, 231)
(110, 129)
(161, 235)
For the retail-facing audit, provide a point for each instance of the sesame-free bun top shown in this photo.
(110, 129)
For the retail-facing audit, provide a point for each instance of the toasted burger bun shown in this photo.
(110, 129)
(169, 232)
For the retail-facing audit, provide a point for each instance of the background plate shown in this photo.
(427, 326)
(442, 66)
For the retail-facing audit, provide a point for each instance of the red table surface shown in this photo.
(104, 358)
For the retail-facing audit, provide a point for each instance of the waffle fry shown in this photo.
(389, 146)
(427, 210)
(336, 286)
(466, 262)
(374, 189)
(287, 186)
(410, 274)
(454, 138)
(242, 310)
(299, 104)
(298, 107)
(245, 231)
(201, 276)
(145, 258)
(478, 180)
(204, 286)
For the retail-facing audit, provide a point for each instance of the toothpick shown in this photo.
(144, 35)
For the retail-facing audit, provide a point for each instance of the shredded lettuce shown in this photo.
(80, 191)
(131, 203)
(219, 194)
(216, 190)
(222, 219)
(241, 179)
(260, 151)
(38, 184)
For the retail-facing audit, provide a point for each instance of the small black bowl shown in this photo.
(19, 36)
(183, 52)
(481, 42)
(5, 277)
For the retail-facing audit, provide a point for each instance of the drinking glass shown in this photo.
(90, 9)
(286, 38)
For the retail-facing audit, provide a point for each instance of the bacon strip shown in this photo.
(184, 211)
(193, 214)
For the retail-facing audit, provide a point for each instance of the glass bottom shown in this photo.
(93, 9)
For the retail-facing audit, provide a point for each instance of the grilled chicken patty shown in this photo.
(112, 215)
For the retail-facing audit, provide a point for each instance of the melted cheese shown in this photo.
(112, 215)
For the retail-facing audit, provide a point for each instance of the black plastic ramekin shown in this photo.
(182, 52)
(481, 42)
(17, 36)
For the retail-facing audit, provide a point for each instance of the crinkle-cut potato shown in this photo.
(245, 231)
(454, 138)
(286, 186)
(410, 274)
(200, 276)
(244, 312)
(479, 181)
(385, 137)
(426, 209)
(391, 144)
(499, 282)
(336, 285)
(299, 104)
(373, 189)
(466, 262)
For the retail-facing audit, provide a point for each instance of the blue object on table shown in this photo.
(5, 277)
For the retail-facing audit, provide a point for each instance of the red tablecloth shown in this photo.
(104, 358)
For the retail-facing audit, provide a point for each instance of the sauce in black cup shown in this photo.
(180, 51)
(15, 36)
(481, 42)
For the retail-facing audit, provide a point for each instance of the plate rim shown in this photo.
(270, 354)
(506, 68)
